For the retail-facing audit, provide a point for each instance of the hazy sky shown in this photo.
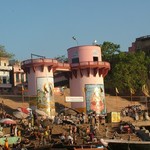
(46, 27)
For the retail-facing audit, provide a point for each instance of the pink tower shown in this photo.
(40, 74)
(87, 78)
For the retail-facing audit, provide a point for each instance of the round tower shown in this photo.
(40, 74)
(87, 78)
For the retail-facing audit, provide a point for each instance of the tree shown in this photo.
(131, 71)
(128, 70)
(62, 59)
(109, 49)
(109, 54)
(3, 53)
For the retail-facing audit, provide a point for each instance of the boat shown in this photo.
(89, 146)
(113, 144)
(11, 140)
(98, 148)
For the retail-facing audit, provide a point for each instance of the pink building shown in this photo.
(85, 70)
(87, 78)
(40, 74)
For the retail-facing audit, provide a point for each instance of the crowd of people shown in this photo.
(90, 122)
(37, 131)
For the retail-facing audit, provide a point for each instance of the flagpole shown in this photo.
(132, 91)
(146, 103)
(116, 101)
(145, 90)
(131, 97)
(22, 93)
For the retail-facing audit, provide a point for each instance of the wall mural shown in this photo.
(45, 94)
(95, 98)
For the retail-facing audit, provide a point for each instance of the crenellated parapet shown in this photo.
(51, 64)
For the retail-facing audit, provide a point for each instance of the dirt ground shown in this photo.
(113, 103)
(116, 103)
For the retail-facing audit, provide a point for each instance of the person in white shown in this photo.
(70, 139)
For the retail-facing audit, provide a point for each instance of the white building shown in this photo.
(5, 70)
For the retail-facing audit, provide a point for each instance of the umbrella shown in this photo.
(68, 121)
(24, 110)
(68, 111)
(46, 122)
(40, 112)
(20, 115)
(7, 121)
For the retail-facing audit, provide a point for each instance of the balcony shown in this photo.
(90, 64)
(5, 68)
(6, 85)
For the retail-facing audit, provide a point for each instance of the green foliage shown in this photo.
(109, 50)
(3, 53)
(128, 70)
(62, 59)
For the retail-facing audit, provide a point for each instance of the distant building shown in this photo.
(5, 70)
(61, 79)
(17, 77)
(141, 44)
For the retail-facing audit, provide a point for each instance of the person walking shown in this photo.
(6, 144)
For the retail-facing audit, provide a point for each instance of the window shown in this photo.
(1, 80)
(95, 58)
(75, 60)
(4, 80)
(17, 77)
(22, 77)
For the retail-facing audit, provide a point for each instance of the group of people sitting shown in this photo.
(136, 112)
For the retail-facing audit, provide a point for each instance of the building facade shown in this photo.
(18, 77)
(87, 78)
(85, 72)
(5, 69)
(40, 74)
(141, 44)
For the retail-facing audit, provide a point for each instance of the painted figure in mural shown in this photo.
(44, 95)
(41, 97)
(48, 88)
(97, 100)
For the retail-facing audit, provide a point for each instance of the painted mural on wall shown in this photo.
(45, 94)
(95, 98)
